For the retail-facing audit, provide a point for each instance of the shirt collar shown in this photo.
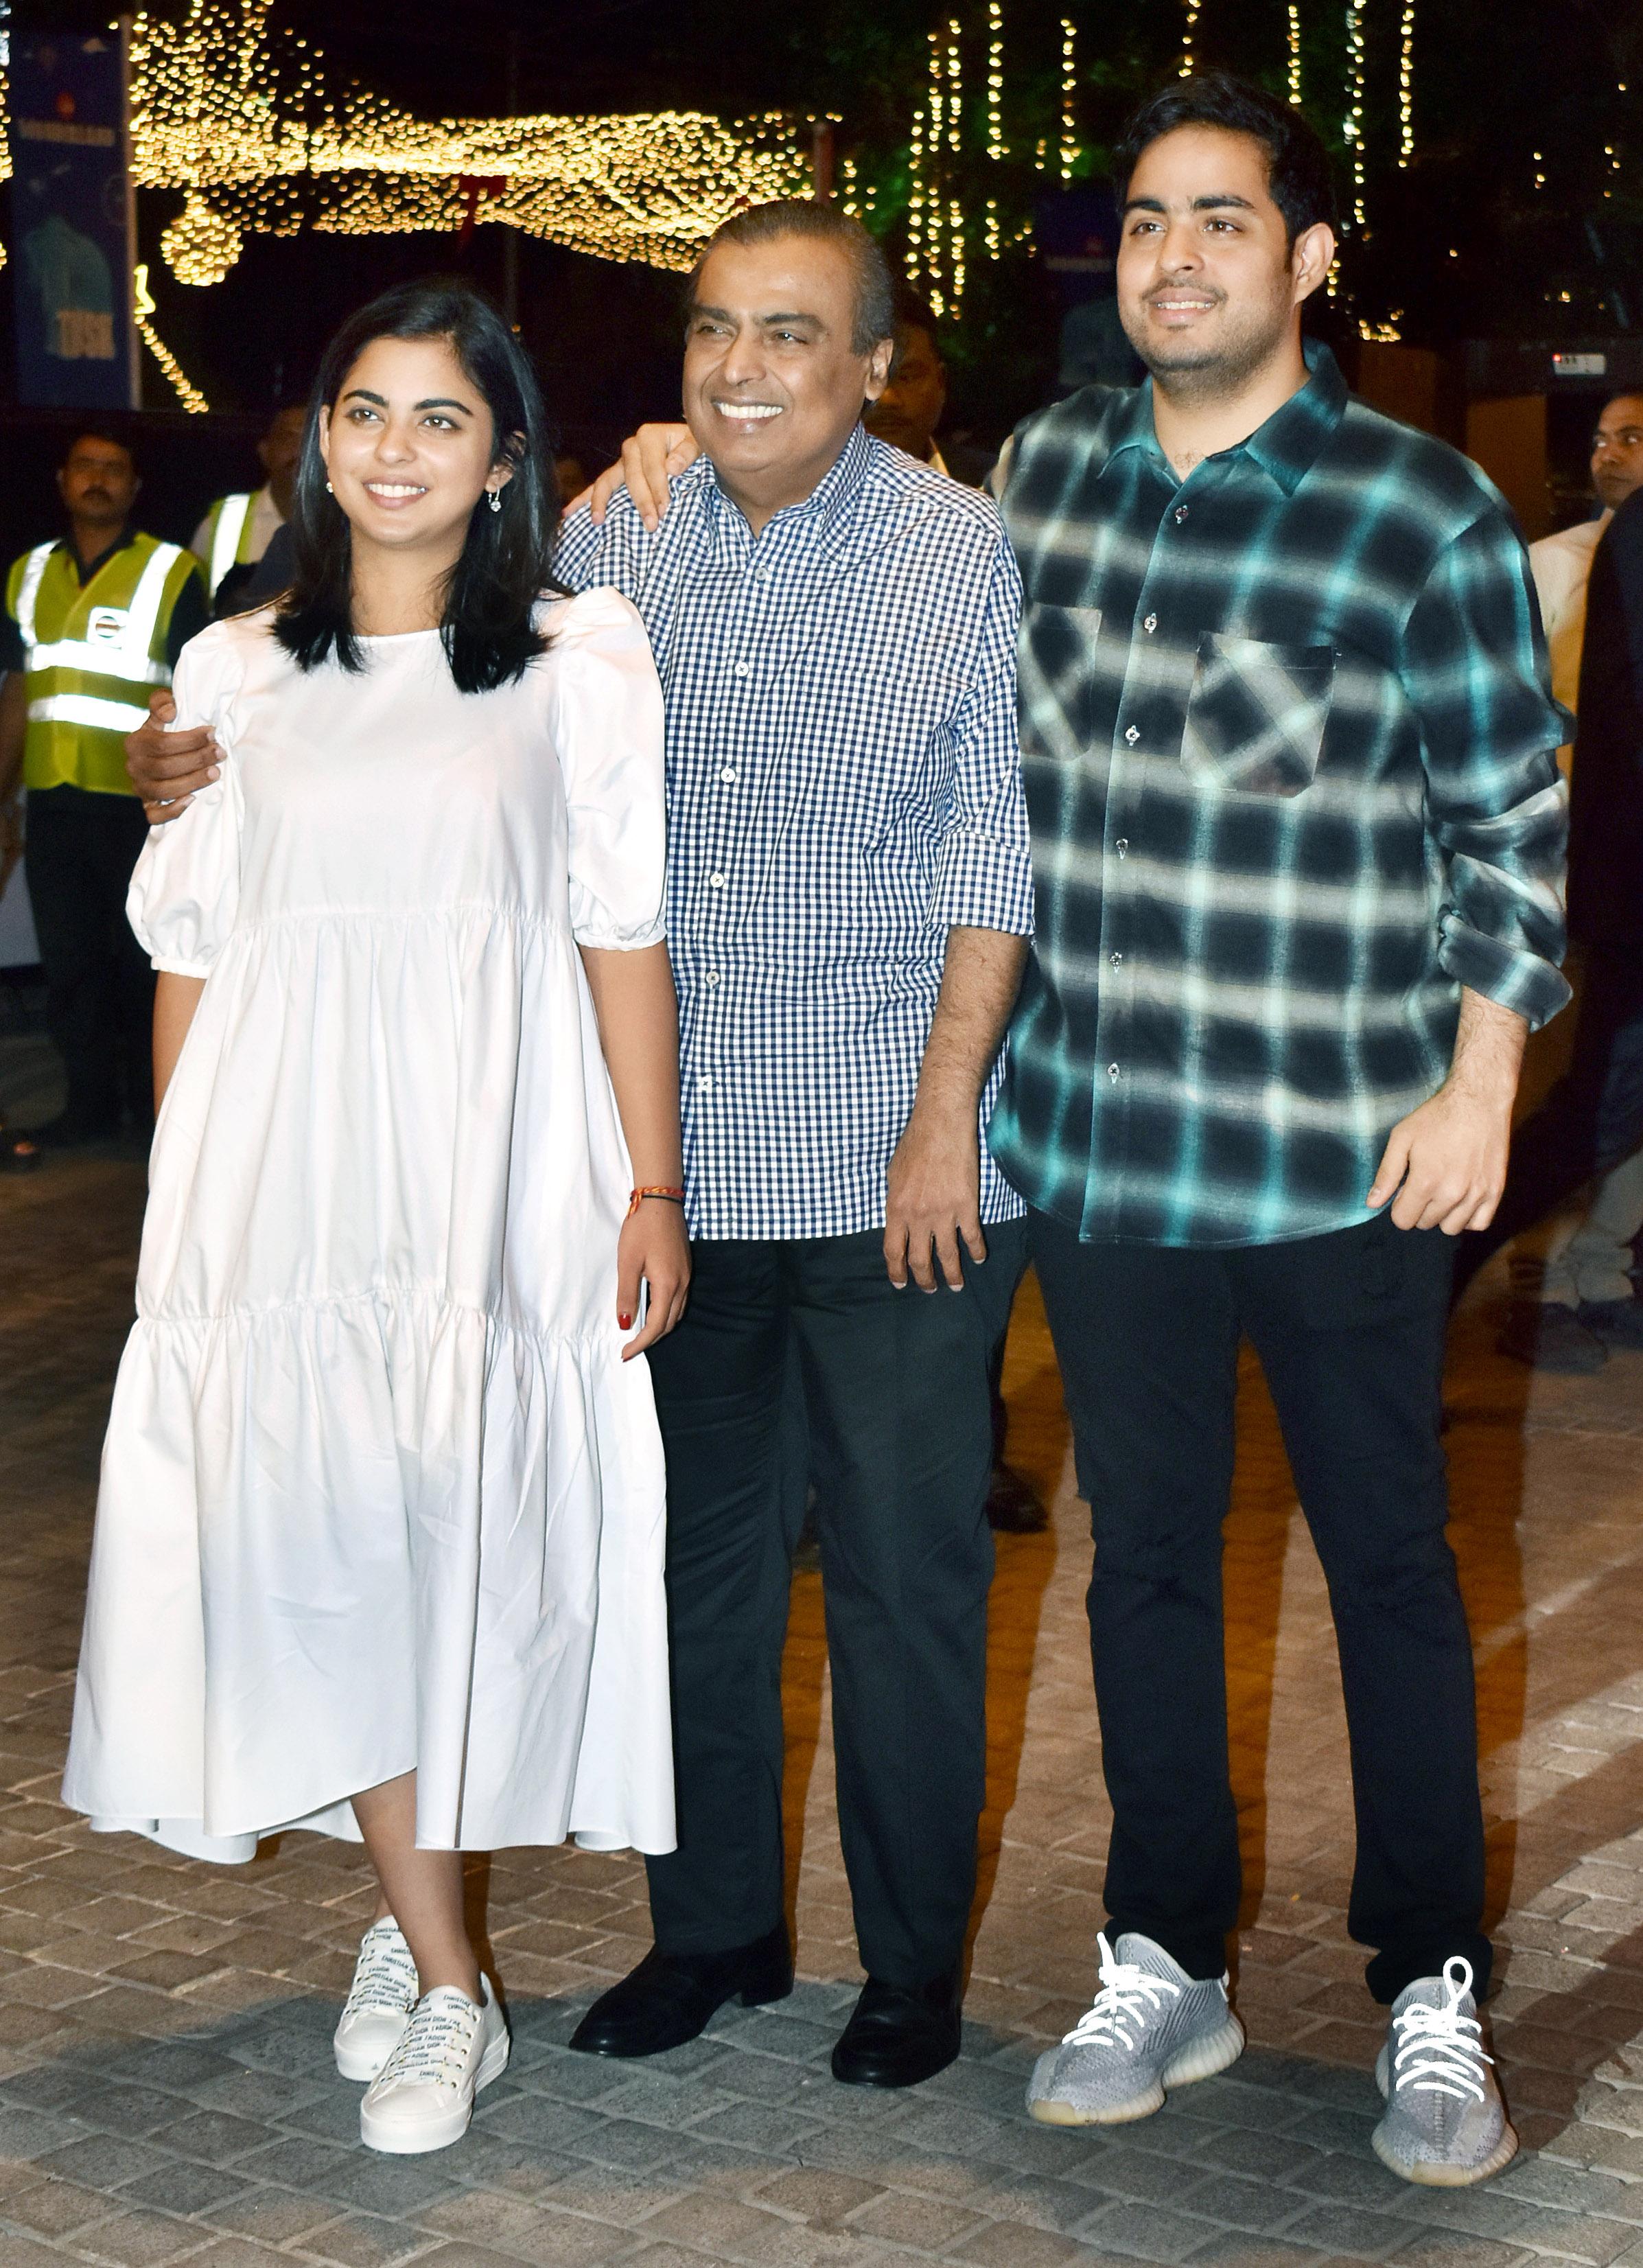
(832, 496)
(127, 535)
(1287, 446)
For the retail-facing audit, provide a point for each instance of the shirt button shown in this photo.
(729, 776)
(1180, 514)
(1132, 735)
(1113, 1073)
(741, 669)
(1150, 624)
(1115, 958)
(1122, 846)
(713, 976)
(704, 1085)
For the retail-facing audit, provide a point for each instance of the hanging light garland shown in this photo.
(1295, 52)
(264, 142)
(1189, 63)
(1352, 125)
(1069, 99)
(1406, 86)
(143, 310)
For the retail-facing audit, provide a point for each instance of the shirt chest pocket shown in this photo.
(1256, 714)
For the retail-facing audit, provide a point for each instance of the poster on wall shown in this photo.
(73, 227)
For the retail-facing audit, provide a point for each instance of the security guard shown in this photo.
(91, 624)
(237, 530)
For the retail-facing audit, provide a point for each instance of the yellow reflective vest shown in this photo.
(91, 653)
(228, 527)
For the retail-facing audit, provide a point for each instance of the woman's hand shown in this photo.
(652, 1248)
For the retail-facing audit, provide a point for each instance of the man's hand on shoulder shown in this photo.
(651, 458)
(168, 769)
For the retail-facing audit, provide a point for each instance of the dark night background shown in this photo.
(1463, 246)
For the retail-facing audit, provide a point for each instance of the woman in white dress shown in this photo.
(379, 1540)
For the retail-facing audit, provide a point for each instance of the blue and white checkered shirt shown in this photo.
(844, 785)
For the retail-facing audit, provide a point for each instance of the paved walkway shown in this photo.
(165, 2083)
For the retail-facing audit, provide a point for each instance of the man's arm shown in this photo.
(13, 725)
(933, 1188)
(1445, 1163)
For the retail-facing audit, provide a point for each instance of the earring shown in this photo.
(329, 490)
(496, 497)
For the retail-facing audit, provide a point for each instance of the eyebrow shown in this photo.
(727, 316)
(1198, 205)
(429, 401)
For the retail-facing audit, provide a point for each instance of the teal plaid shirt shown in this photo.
(1289, 749)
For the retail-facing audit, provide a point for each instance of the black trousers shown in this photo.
(1591, 1120)
(1349, 1328)
(895, 1390)
(99, 989)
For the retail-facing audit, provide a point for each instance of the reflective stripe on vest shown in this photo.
(232, 514)
(87, 709)
(28, 589)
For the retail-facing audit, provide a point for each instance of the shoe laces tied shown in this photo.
(435, 2046)
(384, 1977)
(1439, 2049)
(1129, 1995)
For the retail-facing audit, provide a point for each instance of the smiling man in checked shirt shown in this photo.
(1298, 834)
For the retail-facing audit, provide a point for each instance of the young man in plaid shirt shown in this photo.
(1298, 835)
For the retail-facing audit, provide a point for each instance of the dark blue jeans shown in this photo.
(1592, 1119)
(1349, 1328)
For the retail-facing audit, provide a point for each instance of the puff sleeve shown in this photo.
(185, 891)
(606, 722)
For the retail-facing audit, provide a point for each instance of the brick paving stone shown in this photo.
(167, 2090)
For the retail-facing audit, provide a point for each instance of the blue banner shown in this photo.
(73, 233)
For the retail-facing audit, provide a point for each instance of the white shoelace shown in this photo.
(1128, 1995)
(384, 1977)
(436, 2046)
(1439, 2049)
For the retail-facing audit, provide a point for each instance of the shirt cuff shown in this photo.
(604, 937)
(201, 969)
(1505, 974)
(982, 884)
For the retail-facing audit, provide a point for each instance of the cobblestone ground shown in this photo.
(165, 2083)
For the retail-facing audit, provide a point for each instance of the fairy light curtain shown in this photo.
(247, 122)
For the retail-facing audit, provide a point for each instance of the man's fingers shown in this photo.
(947, 1253)
(162, 705)
(1393, 1166)
(172, 807)
(975, 1243)
(919, 1259)
(603, 490)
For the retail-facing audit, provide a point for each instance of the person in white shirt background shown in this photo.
(1563, 563)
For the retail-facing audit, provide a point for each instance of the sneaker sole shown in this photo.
(435, 2134)
(1200, 2058)
(1431, 2174)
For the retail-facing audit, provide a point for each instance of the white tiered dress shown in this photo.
(378, 1491)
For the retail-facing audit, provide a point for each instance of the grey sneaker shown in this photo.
(1152, 2027)
(1445, 2124)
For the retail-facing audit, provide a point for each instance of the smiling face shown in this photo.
(1617, 450)
(772, 382)
(409, 446)
(1208, 284)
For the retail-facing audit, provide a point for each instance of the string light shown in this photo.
(1295, 52)
(996, 144)
(1387, 334)
(1070, 97)
(143, 310)
(956, 245)
(1406, 86)
(1352, 125)
(263, 141)
(1194, 9)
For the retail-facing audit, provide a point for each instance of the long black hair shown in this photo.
(488, 628)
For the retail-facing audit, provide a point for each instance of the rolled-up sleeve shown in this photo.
(983, 869)
(1474, 666)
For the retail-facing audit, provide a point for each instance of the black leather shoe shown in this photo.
(671, 1997)
(899, 2034)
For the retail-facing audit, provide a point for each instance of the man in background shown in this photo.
(237, 530)
(910, 411)
(1562, 563)
(91, 623)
